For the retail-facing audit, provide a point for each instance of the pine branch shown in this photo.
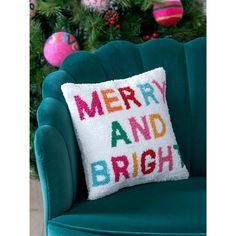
(131, 27)
(125, 4)
(49, 9)
(113, 34)
(95, 27)
(36, 37)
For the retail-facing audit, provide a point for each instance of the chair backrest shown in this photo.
(185, 65)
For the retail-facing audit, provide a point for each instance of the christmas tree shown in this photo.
(94, 23)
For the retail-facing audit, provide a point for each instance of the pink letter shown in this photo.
(95, 105)
(143, 130)
(162, 89)
(120, 169)
(167, 158)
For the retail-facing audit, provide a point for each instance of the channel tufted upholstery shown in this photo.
(164, 209)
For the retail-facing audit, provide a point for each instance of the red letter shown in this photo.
(129, 96)
(120, 169)
(151, 165)
(95, 105)
(167, 158)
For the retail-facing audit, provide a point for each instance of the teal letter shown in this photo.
(147, 91)
(176, 147)
(120, 135)
(99, 169)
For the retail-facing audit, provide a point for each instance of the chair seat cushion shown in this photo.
(167, 208)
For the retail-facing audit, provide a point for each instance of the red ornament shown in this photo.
(118, 26)
(155, 35)
(147, 37)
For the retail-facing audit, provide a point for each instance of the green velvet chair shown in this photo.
(165, 208)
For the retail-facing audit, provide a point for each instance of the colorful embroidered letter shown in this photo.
(167, 158)
(129, 96)
(162, 89)
(116, 162)
(83, 106)
(147, 91)
(100, 173)
(137, 127)
(157, 133)
(135, 161)
(150, 165)
(109, 100)
(118, 134)
(176, 147)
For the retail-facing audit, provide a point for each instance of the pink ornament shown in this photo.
(58, 46)
(168, 13)
(99, 6)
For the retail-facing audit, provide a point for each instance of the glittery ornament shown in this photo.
(99, 6)
(114, 5)
(58, 46)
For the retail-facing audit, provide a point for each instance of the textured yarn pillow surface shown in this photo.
(124, 132)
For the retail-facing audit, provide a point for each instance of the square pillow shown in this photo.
(124, 132)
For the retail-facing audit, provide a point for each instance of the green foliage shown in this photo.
(91, 31)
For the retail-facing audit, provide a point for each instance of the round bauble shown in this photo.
(99, 6)
(168, 13)
(33, 6)
(58, 46)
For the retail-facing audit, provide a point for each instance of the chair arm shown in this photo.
(54, 171)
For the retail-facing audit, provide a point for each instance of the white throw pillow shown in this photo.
(124, 132)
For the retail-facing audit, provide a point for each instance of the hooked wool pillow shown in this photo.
(124, 132)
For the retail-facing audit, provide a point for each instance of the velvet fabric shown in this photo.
(170, 208)
(165, 207)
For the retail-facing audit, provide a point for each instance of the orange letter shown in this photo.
(135, 166)
(157, 133)
(109, 100)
